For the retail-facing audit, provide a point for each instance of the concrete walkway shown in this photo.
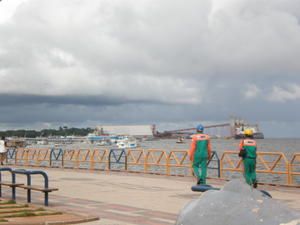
(127, 198)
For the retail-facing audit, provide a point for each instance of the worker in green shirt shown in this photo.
(200, 153)
(248, 149)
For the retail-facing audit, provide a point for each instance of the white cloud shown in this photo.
(289, 93)
(8, 8)
(81, 42)
(252, 91)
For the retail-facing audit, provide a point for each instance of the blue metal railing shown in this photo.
(56, 155)
(117, 156)
(28, 174)
(13, 181)
(214, 159)
(11, 155)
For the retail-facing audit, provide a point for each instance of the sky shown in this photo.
(172, 63)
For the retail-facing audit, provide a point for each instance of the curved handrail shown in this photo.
(293, 172)
(13, 180)
(271, 167)
(162, 161)
(28, 174)
(117, 158)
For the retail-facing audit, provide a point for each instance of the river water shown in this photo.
(286, 146)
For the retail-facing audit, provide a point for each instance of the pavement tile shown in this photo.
(128, 199)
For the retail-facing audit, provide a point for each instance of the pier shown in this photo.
(122, 198)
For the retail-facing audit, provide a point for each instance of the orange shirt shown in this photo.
(199, 137)
(246, 142)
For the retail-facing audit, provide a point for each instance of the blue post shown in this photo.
(13, 178)
(28, 190)
(51, 153)
(46, 185)
(46, 199)
(13, 181)
(219, 169)
(62, 158)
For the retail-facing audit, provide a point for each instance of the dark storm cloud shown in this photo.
(13, 100)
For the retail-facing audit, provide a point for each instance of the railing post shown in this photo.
(13, 178)
(109, 155)
(125, 160)
(7, 155)
(36, 159)
(62, 157)
(28, 190)
(16, 156)
(221, 166)
(50, 160)
(168, 163)
(290, 173)
(92, 162)
(146, 163)
(26, 157)
(15, 150)
(77, 159)
(46, 186)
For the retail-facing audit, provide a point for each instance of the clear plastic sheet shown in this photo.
(237, 204)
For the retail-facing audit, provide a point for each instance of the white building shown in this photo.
(132, 130)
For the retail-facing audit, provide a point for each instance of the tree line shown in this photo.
(61, 131)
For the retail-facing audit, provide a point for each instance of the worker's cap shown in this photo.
(200, 128)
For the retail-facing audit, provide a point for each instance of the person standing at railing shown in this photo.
(247, 152)
(3, 150)
(199, 154)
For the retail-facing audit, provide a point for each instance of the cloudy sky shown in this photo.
(172, 62)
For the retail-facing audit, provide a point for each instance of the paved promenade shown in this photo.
(129, 198)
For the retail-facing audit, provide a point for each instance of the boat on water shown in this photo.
(257, 135)
(126, 142)
(101, 140)
(118, 141)
(240, 126)
(180, 140)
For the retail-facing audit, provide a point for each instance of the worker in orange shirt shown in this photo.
(199, 153)
(247, 152)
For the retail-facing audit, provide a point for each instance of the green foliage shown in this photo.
(10, 206)
(21, 214)
(28, 213)
(61, 131)
(8, 202)
(11, 212)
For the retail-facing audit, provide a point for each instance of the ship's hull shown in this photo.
(257, 135)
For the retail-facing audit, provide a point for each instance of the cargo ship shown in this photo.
(239, 127)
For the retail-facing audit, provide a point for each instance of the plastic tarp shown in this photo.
(236, 204)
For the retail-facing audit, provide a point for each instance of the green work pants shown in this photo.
(249, 170)
(200, 164)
